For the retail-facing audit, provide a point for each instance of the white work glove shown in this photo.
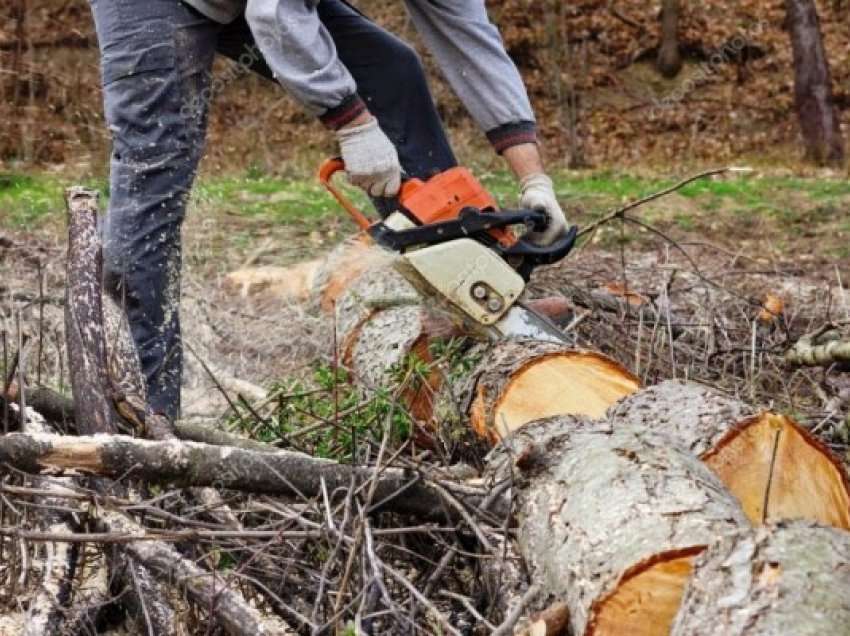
(537, 193)
(371, 160)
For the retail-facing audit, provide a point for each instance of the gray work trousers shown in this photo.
(156, 57)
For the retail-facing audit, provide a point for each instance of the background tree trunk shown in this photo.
(669, 60)
(816, 109)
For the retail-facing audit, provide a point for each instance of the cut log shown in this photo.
(775, 468)
(609, 520)
(381, 321)
(791, 578)
(519, 381)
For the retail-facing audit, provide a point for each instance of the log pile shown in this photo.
(671, 509)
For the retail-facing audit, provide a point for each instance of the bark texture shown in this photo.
(816, 110)
(598, 507)
(84, 316)
(791, 578)
(695, 416)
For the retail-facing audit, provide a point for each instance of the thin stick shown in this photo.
(620, 212)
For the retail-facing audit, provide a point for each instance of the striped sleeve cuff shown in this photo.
(338, 116)
(513, 134)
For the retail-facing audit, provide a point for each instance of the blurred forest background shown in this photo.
(602, 98)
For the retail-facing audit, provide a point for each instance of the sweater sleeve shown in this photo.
(471, 54)
(301, 54)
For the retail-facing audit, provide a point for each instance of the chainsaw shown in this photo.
(456, 246)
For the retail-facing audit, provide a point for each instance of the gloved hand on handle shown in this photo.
(538, 193)
(371, 160)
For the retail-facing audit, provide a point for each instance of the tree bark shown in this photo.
(816, 110)
(791, 578)
(669, 60)
(93, 410)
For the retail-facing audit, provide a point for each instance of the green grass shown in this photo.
(25, 200)
(33, 199)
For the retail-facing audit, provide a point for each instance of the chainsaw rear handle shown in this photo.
(326, 172)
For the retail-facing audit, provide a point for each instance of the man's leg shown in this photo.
(155, 61)
(391, 80)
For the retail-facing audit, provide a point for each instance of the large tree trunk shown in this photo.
(819, 121)
(612, 513)
(792, 578)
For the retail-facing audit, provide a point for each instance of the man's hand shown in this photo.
(538, 194)
(536, 190)
(371, 160)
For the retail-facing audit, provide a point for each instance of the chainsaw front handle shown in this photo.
(326, 172)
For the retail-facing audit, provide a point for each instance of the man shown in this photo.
(362, 83)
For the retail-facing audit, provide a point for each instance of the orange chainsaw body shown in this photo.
(445, 195)
(440, 198)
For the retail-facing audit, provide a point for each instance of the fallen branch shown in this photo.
(203, 588)
(190, 464)
(58, 560)
(821, 348)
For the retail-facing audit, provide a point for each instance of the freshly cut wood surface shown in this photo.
(606, 515)
(778, 470)
(790, 578)
(519, 381)
(653, 593)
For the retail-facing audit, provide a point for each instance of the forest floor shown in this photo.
(703, 261)
(733, 238)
